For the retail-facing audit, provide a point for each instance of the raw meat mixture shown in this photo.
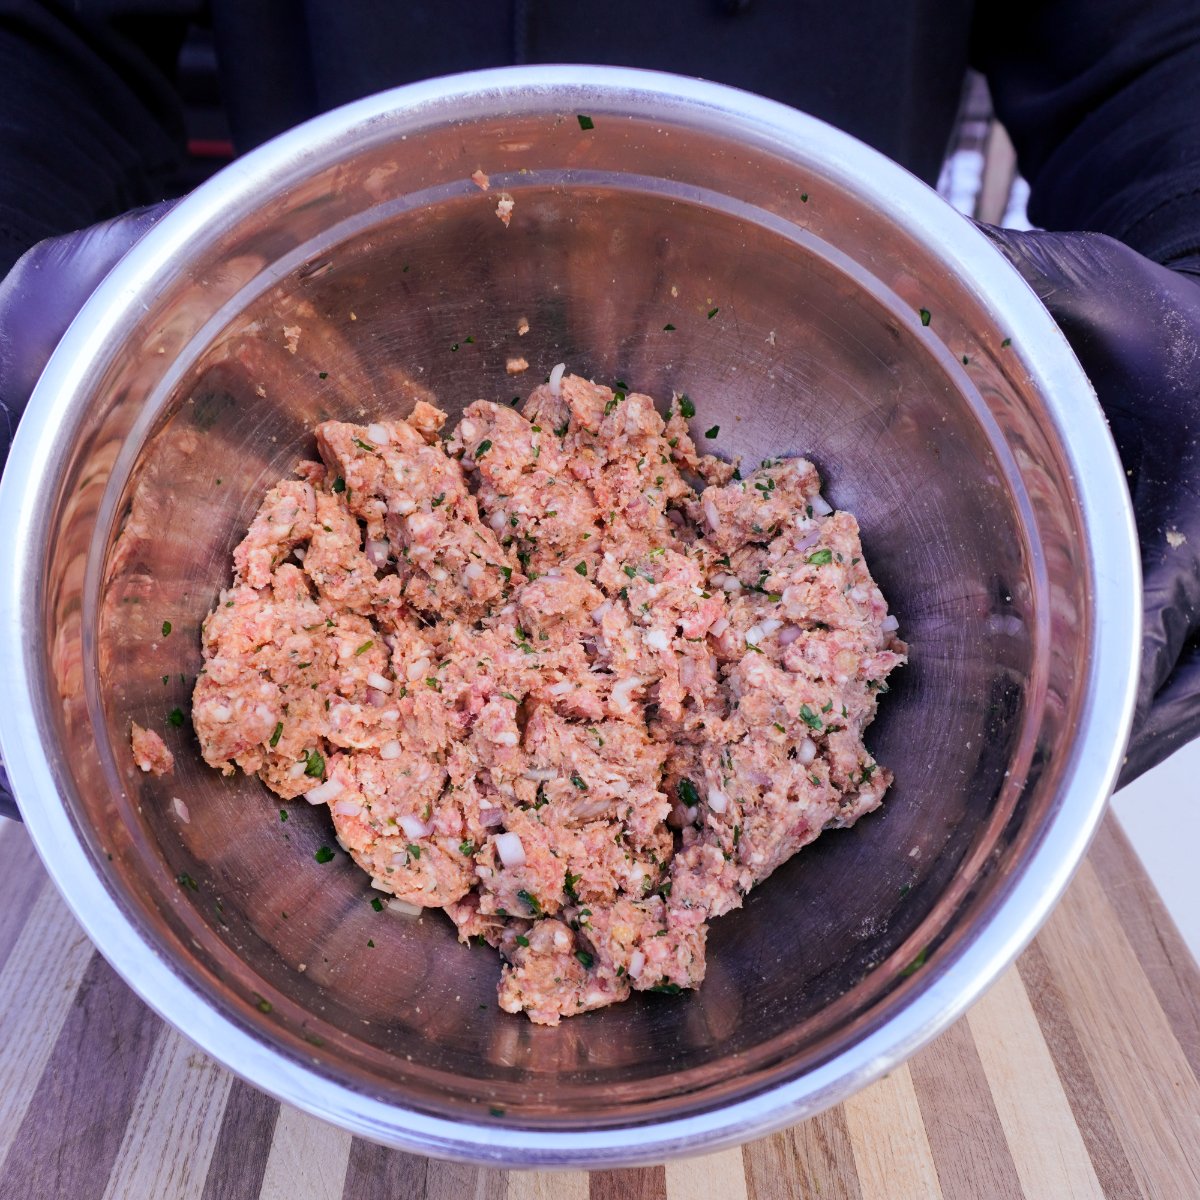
(543, 683)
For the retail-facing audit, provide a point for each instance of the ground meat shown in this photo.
(545, 685)
(150, 752)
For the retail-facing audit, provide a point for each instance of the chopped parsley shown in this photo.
(363, 445)
(314, 764)
(585, 958)
(916, 963)
(277, 734)
(1004, 345)
(175, 718)
(364, 647)
(283, 814)
(377, 904)
(531, 902)
(482, 448)
(687, 409)
(413, 851)
(820, 558)
(438, 500)
(185, 880)
(926, 316)
(668, 329)
(522, 940)
(323, 854)
(712, 312)
(339, 485)
(712, 433)
(685, 789)
(264, 1005)
(810, 718)
(585, 122)
(581, 568)
(466, 848)
(166, 628)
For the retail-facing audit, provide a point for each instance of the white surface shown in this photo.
(1161, 814)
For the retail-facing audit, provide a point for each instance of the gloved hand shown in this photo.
(1135, 327)
(38, 300)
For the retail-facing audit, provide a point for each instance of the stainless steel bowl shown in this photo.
(793, 265)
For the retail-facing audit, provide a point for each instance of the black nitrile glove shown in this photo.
(1135, 327)
(39, 298)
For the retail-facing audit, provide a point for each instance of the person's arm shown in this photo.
(1102, 101)
(90, 123)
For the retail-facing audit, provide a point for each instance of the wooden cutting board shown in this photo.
(1077, 1075)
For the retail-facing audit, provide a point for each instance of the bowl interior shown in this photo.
(675, 257)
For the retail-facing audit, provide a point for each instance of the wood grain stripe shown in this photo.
(1099, 977)
(719, 1176)
(454, 1181)
(24, 879)
(1047, 1148)
(308, 1158)
(637, 1183)
(825, 1156)
(547, 1185)
(961, 1122)
(239, 1160)
(1063, 1040)
(172, 1133)
(1164, 956)
(887, 1134)
(73, 1127)
(37, 982)
(379, 1173)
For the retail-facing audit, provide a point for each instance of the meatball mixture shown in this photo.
(545, 683)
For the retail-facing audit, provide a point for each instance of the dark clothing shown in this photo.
(1102, 97)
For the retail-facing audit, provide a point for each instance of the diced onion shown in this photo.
(858, 595)
(889, 624)
(414, 827)
(375, 680)
(717, 800)
(498, 520)
(467, 430)
(754, 635)
(623, 690)
(472, 571)
(657, 639)
(331, 789)
(711, 515)
(508, 846)
(378, 550)
(637, 961)
(806, 751)
(181, 809)
(491, 817)
(378, 435)
(561, 688)
(221, 712)
(300, 552)
(719, 626)
(601, 611)
(540, 774)
(506, 738)
(403, 906)
(731, 583)
(789, 635)
(417, 670)
(556, 379)
(390, 750)
(346, 808)
(820, 506)
(769, 624)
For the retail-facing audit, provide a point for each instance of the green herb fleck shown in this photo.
(277, 734)
(175, 718)
(363, 445)
(314, 764)
(323, 854)
(466, 848)
(377, 904)
(283, 814)
(186, 880)
(810, 718)
(166, 628)
(581, 568)
(531, 902)
(926, 316)
(687, 409)
(712, 312)
(916, 963)
(414, 851)
(585, 122)
(438, 500)
(364, 647)
(371, 943)
(339, 485)
(264, 1005)
(712, 433)
(1004, 345)
(522, 940)
(482, 448)
(578, 781)
(685, 789)
(820, 558)
(668, 328)
(585, 958)
(433, 683)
